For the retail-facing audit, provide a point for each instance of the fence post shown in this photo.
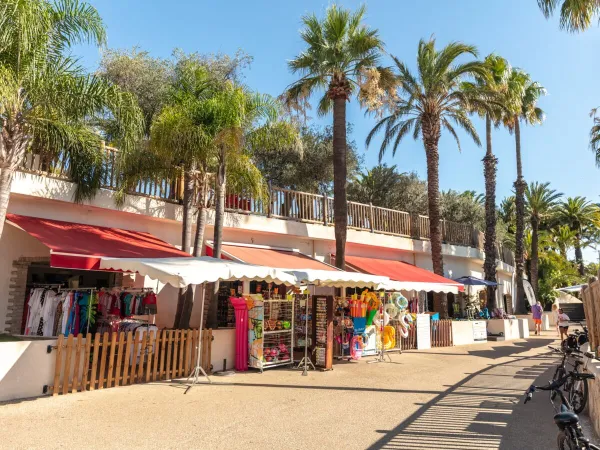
(325, 210)
(371, 217)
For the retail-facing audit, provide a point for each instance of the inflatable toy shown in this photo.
(356, 347)
(389, 337)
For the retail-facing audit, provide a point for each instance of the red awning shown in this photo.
(264, 256)
(79, 246)
(399, 271)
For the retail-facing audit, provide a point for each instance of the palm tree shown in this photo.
(47, 103)
(495, 84)
(595, 136)
(563, 238)
(424, 105)
(340, 49)
(380, 185)
(541, 202)
(242, 121)
(580, 215)
(525, 109)
(575, 15)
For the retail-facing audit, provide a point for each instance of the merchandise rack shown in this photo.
(271, 344)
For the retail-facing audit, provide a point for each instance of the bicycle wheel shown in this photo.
(578, 395)
(564, 442)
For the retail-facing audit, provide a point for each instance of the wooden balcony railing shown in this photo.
(279, 203)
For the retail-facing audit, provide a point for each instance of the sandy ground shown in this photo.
(454, 398)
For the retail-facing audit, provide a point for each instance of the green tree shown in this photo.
(541, 202)
(148, 78)
(242, 122)
(47, 102)
(463, 207)
(564, 239)
(527, 94)
(575, 15)
(424, 105)
(582, 218)
(379, 186)
(310, 170)
(340, 49)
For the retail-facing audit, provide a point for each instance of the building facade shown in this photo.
(291, 220)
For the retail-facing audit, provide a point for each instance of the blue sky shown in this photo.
(567, 65)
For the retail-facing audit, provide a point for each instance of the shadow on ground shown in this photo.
(485, 410)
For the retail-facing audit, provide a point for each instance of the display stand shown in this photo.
(198, 373)
(271, 336)
(381, 354)
(305, 363)
(322, 320)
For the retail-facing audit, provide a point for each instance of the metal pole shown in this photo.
(198, 371)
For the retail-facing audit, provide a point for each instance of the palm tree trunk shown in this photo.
(340, 203)
(186, 239)
(489, 172)
(535, 229)
(211, 319)
(431, 137)
(520, 231)
(188, 210)
(578, 255)
(201, 216)
(6, 176)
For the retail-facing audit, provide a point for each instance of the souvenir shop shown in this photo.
(64, 301)
(68, 292)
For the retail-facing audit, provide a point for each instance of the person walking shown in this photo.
(563, 324)
(537, 312)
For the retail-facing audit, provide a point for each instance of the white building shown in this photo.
(301, 226)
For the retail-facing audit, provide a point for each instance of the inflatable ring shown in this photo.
(403, 328)
(400, 300)
(389, 337)
(391, 309)
(356, 347)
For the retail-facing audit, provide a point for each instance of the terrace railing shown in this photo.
(279, 203)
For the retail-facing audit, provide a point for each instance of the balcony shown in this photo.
(281, 204)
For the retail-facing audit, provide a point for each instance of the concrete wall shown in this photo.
(510, 328)
(25, 367)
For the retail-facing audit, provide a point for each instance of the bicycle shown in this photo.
(570, 435)
(578, 391)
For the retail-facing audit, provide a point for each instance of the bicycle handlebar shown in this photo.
(555, 385)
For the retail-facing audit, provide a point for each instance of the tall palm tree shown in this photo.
(524, 110)
(426, 104)
(541, 202)
(47, 102)
(495, 84)
(339, 49)
(575, 15)
(580, 215)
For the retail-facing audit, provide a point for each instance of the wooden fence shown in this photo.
(441, 333)
(409, 342)
(591, 307)
(120, 359)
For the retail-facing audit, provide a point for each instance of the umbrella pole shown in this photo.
(198, 373)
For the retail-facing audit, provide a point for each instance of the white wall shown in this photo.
(14, 244)
(25, 367)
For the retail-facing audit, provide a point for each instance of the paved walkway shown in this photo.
(455, 398)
